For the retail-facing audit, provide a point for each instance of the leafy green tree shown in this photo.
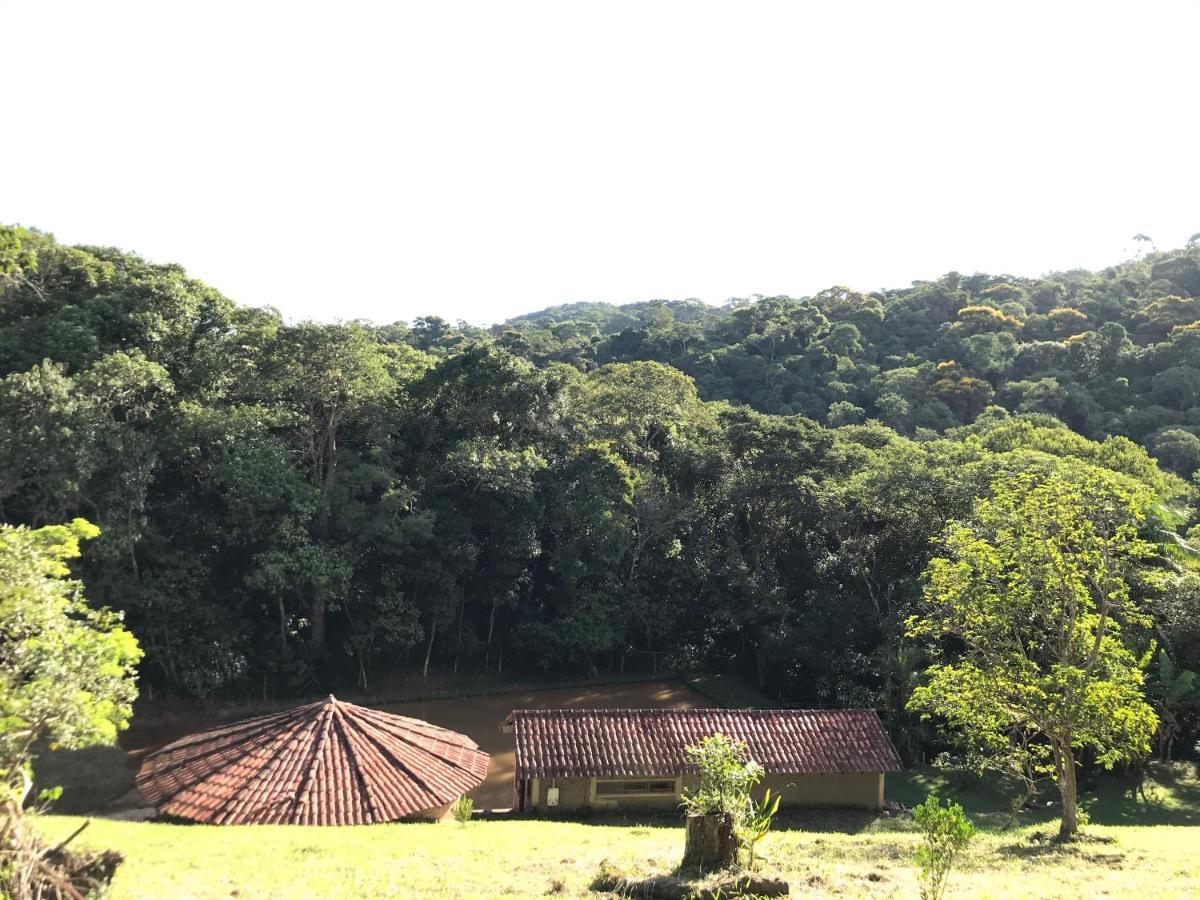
(1178, 450)
(965, 394)
(584, 488)
(1040, 588)
(332, 376)
(66, 669)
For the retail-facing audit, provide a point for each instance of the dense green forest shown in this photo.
(663, 485)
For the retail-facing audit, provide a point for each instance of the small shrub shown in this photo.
(462, 809)
(756, 824)
(726, 780)
(946, 831)
(726, 777)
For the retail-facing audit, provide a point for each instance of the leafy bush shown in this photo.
(947, 831)
(726, 777)
(462, 809)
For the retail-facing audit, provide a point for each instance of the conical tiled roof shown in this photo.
(325, 763)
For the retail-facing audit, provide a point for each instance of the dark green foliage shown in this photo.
(666, 485)
(1116, 352)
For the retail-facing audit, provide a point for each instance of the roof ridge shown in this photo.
(268, 772)
(342, 724)
(326, 713)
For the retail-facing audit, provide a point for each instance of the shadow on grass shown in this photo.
(1169, 795)
(688, 883)
(92, 780)
(825, 821)
(834, 821)
(1091, 849)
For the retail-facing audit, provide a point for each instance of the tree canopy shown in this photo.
(757, 487)
(66, 669)
(1041, 594)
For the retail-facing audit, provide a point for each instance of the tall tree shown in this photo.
(1040, 589)
(331, 376)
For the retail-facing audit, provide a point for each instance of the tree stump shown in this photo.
(710, 842)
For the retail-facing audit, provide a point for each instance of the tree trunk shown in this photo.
(462, 612)
(487, 656)
(429, 648)
(325, 485)
(1067, 789)
(317, 617)
(710, 842)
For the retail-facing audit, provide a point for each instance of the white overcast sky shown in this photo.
(479, 160)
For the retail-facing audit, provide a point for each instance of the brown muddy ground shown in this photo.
(478, 717)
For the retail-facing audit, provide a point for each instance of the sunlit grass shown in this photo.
(534, 858)
(1138, 845)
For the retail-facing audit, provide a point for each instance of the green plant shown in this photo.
(757, 823)
(66, 677)
(1042, 590)
(726, 777)
(462, 809)
(946, 831)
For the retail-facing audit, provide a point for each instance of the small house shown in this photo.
(571, 759)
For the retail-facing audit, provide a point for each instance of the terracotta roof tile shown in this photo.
(572, 743)
(325, 763)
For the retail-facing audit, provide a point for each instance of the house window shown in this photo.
(635, 787)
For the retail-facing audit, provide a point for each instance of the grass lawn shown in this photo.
(1137, 847)
(534, 858)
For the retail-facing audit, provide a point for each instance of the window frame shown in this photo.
(624, 794)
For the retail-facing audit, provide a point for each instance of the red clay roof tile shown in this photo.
(325, 763)
(572, 743)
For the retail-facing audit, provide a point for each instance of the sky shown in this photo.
(479, 160)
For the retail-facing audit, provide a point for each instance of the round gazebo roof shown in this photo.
(325, 763)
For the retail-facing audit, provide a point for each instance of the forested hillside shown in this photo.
(753, 488)
(1113, 352)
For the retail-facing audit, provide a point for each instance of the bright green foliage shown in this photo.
(1041, 587)
(461, 809)
(946, 832)
(66, 669)
(726, 777)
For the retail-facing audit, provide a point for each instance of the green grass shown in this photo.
(534, 858)
(1135, 847)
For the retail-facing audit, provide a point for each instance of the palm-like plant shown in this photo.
(1169, 688)
(756, 823)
